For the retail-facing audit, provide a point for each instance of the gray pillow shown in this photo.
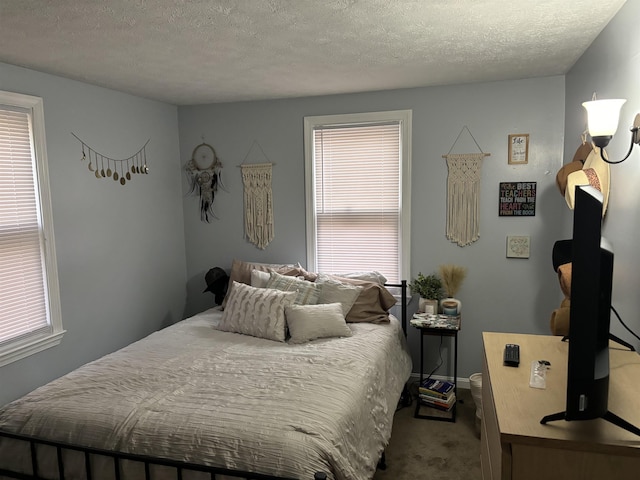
(334, 291)
(307, 293)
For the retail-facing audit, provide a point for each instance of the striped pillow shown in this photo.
(307, 293)
(258, 312)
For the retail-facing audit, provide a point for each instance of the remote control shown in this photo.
(511, 355)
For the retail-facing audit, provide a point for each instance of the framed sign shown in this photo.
(518, 149)
(517, 199)
(518, 246)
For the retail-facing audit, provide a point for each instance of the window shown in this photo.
(358, 192)
(30, 318)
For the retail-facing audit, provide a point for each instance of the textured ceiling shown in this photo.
(198, 52)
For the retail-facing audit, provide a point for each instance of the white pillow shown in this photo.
(307, 293)
(259, 279)
(258, 312)
(333, 291)
(373, 276)
(308, 322)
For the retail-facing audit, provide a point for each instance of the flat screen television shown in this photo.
(590, 312)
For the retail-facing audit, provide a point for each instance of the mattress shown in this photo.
(192, 393)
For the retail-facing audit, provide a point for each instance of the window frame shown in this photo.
(35, 342)
(404, 117)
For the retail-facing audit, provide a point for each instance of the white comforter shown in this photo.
(193, 393)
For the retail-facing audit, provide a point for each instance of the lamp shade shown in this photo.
(603, 116)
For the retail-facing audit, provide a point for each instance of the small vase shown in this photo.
(428, 306)
(451, 306)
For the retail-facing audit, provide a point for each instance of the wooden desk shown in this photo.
(514, 445)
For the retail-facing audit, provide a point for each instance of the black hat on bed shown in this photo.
(217, 281)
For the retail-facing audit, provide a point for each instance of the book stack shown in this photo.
(438, 394)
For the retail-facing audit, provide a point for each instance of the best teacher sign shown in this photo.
(517, 199)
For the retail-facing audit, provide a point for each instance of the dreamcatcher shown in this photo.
(203, 171)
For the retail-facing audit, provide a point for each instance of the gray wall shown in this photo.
(611, 68)
(120, 249)
(499, 294)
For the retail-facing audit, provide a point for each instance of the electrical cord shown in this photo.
(407, 397)
(624, 324)
(439, 361)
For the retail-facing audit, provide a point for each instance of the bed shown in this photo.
(195, 398)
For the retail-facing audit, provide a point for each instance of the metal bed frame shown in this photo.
(147, 462)
(403, 303)
(118, 458)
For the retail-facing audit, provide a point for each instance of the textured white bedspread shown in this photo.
(190, 392)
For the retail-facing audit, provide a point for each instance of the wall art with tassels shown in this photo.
(463, 193)
(119, 170)
(258, 200)
(204, 173)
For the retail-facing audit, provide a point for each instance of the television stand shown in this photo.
(610, 417)
(621, 342)
(613, 338)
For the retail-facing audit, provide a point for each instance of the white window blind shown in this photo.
(30, 319)
(357, 172)
(23, 302)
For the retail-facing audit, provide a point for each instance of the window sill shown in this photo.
(16, 351)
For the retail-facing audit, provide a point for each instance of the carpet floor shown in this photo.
(430, 449)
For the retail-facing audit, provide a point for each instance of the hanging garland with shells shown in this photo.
(120, 170)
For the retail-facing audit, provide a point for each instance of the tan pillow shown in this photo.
(241, 273)
(258, 312)
(298, 271)
(564, 276)
(373, 303)
(308, 322)
(260, 279)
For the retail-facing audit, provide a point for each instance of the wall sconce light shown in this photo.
(602, 121)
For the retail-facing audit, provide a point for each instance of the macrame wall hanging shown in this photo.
(463, 194)
(204, 173)
(258, 201)
(122, 168)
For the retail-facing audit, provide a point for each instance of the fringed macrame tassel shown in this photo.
(258, 204)
(463, 197)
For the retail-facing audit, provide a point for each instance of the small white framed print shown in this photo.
(518, 148)
(518, 246)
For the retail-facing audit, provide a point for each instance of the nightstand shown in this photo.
(450, 330)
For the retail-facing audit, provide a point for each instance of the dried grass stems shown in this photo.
(452, 277)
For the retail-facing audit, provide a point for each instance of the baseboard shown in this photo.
(462, 382)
